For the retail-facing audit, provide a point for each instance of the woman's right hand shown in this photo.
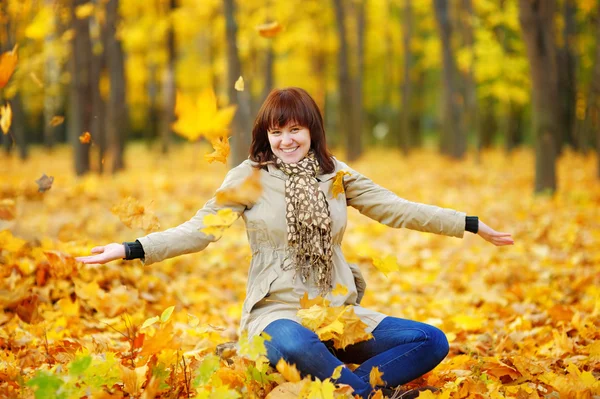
(104, 253)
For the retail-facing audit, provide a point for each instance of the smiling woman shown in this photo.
(295, 230)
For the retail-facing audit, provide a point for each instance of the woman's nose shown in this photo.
(286, 138)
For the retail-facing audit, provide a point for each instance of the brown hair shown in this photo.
(282, 106)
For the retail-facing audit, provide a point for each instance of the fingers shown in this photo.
(98, 250)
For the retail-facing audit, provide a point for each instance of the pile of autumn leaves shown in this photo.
(522, 321)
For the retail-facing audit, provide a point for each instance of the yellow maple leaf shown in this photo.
(221, 147)
(199, 116)
(8, 62)
(248, 192)
(135, 215)
(375, 377)
(338, 182)
(337, 372)
(306, 303)
(239, 84)
(314, 317)
(253, 348)
(5, 118)
(318, 390)
(340, 289)
(354, 329)
(270, 29)
(386, 265)
(289, 372)
(216, 223)
(468, 323)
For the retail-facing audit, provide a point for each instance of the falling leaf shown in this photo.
(85, 138)
(37, 80)
(215, 224)
(306, 303)
(6, 117)
(8, 209)
(85, 10)
(289, 372)
(197, 117)
(386, 265)
(221, 147)
(338, 182)
(354, 329)
(269, 30)
(44, 183)
(57, 120)
(239, 84)
(340, 289)
(375, 377)
(61, 265)
(254, 347)
(135, 215)
(27, 310)
(247, 192)
(337, 372)
(8, 62)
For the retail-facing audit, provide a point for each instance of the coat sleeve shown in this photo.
(187, 237)
(386, 207)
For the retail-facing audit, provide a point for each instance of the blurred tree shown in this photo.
(348, 103)
(357, 113)
(80, 106)
(537, 22)
(405, 110)
(169, 83)
(595, 91)
(52, 70)
(453, 140)
(567, 85)
(467, 24)
(241, 140)
(98, 37)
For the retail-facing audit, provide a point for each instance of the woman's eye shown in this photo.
(295, 129)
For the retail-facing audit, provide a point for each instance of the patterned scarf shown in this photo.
(308, 222)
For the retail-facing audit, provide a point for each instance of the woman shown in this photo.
(295, 231)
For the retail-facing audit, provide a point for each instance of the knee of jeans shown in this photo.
(288, 340)
(439, 342)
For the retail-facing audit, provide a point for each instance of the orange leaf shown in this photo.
(85, 138)
(270, 29)
(8, 62)
(7, 209)
(57, 120)
(288, 371)
(6, 118)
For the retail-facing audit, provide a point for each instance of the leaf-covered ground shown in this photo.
(523, 321)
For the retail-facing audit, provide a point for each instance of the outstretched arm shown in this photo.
(183, 239)
(495, 237)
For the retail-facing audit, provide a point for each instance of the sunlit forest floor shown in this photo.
(523, 321)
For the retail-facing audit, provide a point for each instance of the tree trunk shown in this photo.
(405, 112)
(240, 143)
(116, 110)
(357, 113)
(488, 125)
(567, 85)
(51, 82)
(536, 20)
(97, 66)
(80, 115)
(453, 141)
(269, 80)
(471, 114)
(345, 92)
(417, 110)
(514, 127)
(168, 110)
(595, 93)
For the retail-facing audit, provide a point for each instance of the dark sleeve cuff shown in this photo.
(134, 250)
(472, 224)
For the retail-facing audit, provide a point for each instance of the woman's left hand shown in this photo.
(493, 236)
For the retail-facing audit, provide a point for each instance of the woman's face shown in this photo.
(290, 143)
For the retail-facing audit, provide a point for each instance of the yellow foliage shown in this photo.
(215, 224)
(289, 372)
(5, 118)
(338, 182)
(249, 191)
(375, 377)
(221, 146)
(135, 215)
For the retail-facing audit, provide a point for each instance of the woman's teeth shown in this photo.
(287, 151)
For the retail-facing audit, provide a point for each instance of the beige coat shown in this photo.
(272, 293)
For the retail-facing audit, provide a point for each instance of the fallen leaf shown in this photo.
(239, 84)
(8, 209)
(269, 30)
(44, 183)
(8, 62)
(375, 377)
(289, 372)
(5, 117)
(340, 290)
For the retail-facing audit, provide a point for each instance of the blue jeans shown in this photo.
(402, 349)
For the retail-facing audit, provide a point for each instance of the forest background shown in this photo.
(492, 106)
